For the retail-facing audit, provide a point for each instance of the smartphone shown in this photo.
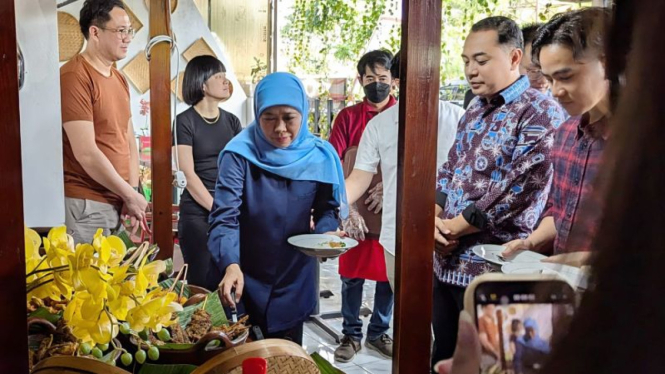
(519, 317)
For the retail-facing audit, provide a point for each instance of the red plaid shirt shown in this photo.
(577, 155)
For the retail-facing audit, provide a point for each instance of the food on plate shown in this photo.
(334, 244)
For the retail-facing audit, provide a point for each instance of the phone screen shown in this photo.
(518, 321)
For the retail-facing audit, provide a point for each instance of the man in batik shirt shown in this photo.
(495, 184)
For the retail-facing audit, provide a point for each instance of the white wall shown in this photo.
(41, 129)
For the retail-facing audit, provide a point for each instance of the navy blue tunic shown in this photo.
(253, 215)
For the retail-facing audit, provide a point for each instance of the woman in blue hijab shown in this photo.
(532, 350)
(273, 177)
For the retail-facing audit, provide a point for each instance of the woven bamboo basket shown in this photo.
(180, 77)
(133, 19)
(283, 357)
(174, 5)
(70, 38)
(198, 48)
(138, 72)
(74, 365)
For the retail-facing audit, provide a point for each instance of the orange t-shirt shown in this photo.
(488, 326)
(87, 95)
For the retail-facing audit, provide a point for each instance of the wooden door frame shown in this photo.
(416, 165)
(160, 129)
(14, 344)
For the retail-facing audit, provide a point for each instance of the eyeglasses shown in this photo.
(122, 33)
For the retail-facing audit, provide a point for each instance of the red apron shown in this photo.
(367, 260)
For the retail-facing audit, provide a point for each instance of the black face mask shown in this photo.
(377, 92)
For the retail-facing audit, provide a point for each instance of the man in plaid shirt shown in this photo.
(575, 68)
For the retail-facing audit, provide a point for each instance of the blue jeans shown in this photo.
(352, 295)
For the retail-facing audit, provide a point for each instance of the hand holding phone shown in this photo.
(518, 318)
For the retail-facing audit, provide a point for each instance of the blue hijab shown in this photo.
(308, 158)
(536, 342)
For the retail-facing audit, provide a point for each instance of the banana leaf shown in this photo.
(213, 306)
(44, 313)
(166, 369)
(325, 367)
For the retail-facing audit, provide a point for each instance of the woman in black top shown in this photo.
(202, 131)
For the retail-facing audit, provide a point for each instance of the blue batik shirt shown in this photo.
(500, 167)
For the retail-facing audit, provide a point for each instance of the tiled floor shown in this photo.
(317, 340)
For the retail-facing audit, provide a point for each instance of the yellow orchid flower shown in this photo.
(111, 250)
(85, 275)
(124, 292)
(58, 237)
(32, 244)
(148, 274)
(155, 312)
(89, 319)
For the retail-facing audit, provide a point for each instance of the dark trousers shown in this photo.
(193, 237)
(448, 302)
(294, 334)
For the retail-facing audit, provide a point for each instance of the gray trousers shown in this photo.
(84, 217)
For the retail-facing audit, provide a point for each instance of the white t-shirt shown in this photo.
(379, 145)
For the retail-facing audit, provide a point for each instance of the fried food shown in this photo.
(199, 325)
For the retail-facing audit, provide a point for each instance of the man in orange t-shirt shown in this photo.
(488, 332)
(100, 156)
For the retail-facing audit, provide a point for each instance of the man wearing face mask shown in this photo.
(365, 261)
(377, 153)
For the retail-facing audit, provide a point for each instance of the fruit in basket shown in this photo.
(125, 329)
(164, 335)
(126, 359)
(140, 356)
(96, 352)
(153, 353)
(85, 349)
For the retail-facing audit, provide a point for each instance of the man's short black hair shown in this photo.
(97, 13)
(508, 31)
(581, 31)
(372, 59)
(529, 32)
(394, 65)
(197, 72)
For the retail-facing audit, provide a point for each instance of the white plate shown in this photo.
(573, 275)
(491, 253)
(317, 245)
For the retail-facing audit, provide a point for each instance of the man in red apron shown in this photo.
(367, 260)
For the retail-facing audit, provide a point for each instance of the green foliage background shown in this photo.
(319, 32)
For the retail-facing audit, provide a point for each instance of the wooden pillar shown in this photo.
(14, 344)
(418, 106)
(160, 129)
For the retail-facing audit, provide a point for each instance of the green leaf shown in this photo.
(176, 346)
(325, 367)
(166, 369)
(169, 266)
(124, 236)
(44, 313)
(213, 307)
